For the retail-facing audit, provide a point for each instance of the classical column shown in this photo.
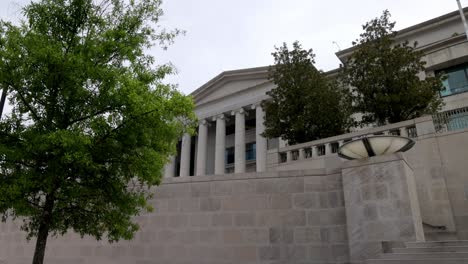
(220, 146)
(239, 141)
(201, 151)
(261, 142)
(169, 168)
(185, 156)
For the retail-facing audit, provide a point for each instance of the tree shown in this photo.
(384, 76)
(92, 123)
(305, 105)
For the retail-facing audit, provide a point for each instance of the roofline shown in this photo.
(411, 29)
(230, 74)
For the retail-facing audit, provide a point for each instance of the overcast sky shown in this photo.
(226, 35)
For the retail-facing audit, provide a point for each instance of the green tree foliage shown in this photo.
(92, 123)
(305, 105)
(384, 76)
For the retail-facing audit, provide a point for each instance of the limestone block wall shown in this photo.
(381, 204)
(454, 161)
(425, 159)
(272, 217)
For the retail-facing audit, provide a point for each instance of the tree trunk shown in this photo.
(2, 101)
(43, 231)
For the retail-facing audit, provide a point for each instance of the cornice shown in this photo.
(404, 33)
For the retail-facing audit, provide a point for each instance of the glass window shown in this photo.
(229, 155)
(458, 121)
(457, 80)
(250, 151)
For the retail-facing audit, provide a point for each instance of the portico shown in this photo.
(223, 125)
(229, 136)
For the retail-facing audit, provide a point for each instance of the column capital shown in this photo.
(240, 111)
(220, 116)
(256, 105)
(202, 122)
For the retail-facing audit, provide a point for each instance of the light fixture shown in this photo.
(370, 146)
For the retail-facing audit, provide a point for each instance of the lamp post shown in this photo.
(374, 146)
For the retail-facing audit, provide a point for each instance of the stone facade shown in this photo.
(272, 217)
(232, 99)
(289, 204)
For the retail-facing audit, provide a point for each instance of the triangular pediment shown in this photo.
(229, 83)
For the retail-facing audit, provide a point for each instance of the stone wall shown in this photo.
(439, 164)
(453, 147)
(275, 217)
(381, 204)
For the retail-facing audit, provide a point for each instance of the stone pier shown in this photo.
(381, 204)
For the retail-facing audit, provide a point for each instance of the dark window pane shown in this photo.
(457, 80)
(250, 151)
(229, 155)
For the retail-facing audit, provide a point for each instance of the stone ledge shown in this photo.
(247, 176)
(376, 160)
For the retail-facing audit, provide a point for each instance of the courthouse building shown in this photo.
(231, 196)
(229, 134)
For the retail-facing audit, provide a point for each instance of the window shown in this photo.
(229, 155)
(458, 121)
(250, 151)
(457, 80)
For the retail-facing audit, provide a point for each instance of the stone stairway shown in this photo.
(432, 252)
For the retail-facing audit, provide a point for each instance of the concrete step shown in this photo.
(440, 235)
(427, 255)
(431, 249)
(428, 244)
(417, 261)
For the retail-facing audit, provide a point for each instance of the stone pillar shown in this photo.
(220, 147)
(169, 168)
(403, 132)
(328, 150)
(282, 143)
(185, 155)
(201, 150)
(314, 151)
(424, 125)
(239, 141)
(261, 142)
(381, 204)
(301, 154)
